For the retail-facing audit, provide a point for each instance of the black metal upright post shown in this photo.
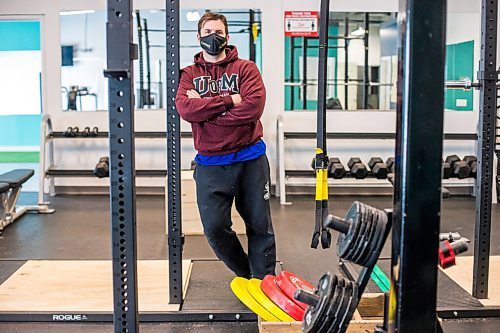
(175, 236)
(148, 65)
(487, 77)
(304, 72)
(120, 53)
(292, 72)
(346, 64)
(321, 211)
(141, 60)
(366, 79)
(251, 21)
(419, 142)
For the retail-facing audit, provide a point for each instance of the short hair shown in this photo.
(209, 16)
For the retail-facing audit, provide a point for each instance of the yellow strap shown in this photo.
(319, 184)
(325, 184)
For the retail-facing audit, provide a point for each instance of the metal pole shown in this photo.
(175, 236)
(321, 212)
(141, 61)
(120, 53)
(487, 77)
(366, 79)
(251, 14)
(292, 72)
(346, 65)
(419, 143)
(304, 73)
(148, 66)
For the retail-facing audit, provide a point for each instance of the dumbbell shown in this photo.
(391, 165)
(101, 169)
(336, 169)
(378, 168)
(459, 168)
(449, 250)
(71, 131)
(86, 132)
(472, 162)
(357, 168)
(446, 170)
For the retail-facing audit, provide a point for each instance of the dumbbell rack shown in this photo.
(49, 172)
(370, 185)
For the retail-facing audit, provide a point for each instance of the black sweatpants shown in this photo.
(247, 183)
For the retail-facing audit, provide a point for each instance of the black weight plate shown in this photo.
(332, 311)
(356, 238)
(354, 300)
(314, 313)
(363, 242)
(370, 236)
(344, 241)
(377, 243)
(336, 288)
(367, 258)
(343, 306)
(327, 318)
(361, 234)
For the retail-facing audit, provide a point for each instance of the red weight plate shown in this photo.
(289, 282)
(272, 291)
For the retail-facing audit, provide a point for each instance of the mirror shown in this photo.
(362, 82)
(83, 50)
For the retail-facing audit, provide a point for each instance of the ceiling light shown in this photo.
(77, 12)
(358, 32)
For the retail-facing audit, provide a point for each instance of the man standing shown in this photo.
(223, 98)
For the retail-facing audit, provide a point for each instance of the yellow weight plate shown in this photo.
(254, 289)
(239, 288)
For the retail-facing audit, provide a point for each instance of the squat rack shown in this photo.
(419, 137)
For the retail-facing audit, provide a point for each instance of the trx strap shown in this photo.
(321, 163)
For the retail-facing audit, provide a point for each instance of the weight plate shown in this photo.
(378, 241)
(345, 240)
(329, 316)
(354, 300)
(343, 307)
(371, 236)
(371, 220)
(362, 226)
(239, 288)
(289, 282)
(312, 316)
(253, 287)
(272, 291)
(367, 259)
(367, 220)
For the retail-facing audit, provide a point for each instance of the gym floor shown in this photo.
(80, 230)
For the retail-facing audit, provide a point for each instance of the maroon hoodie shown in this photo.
(219, 127)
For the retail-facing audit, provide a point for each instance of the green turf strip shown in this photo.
(19, 157)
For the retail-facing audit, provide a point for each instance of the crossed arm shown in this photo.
(232, 110)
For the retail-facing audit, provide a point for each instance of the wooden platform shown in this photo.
(84, 286)
(369, 313)
(461, 273)
(191, 222)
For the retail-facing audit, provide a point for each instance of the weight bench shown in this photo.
(10, 188)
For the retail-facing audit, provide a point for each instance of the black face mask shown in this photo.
(213, 44)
